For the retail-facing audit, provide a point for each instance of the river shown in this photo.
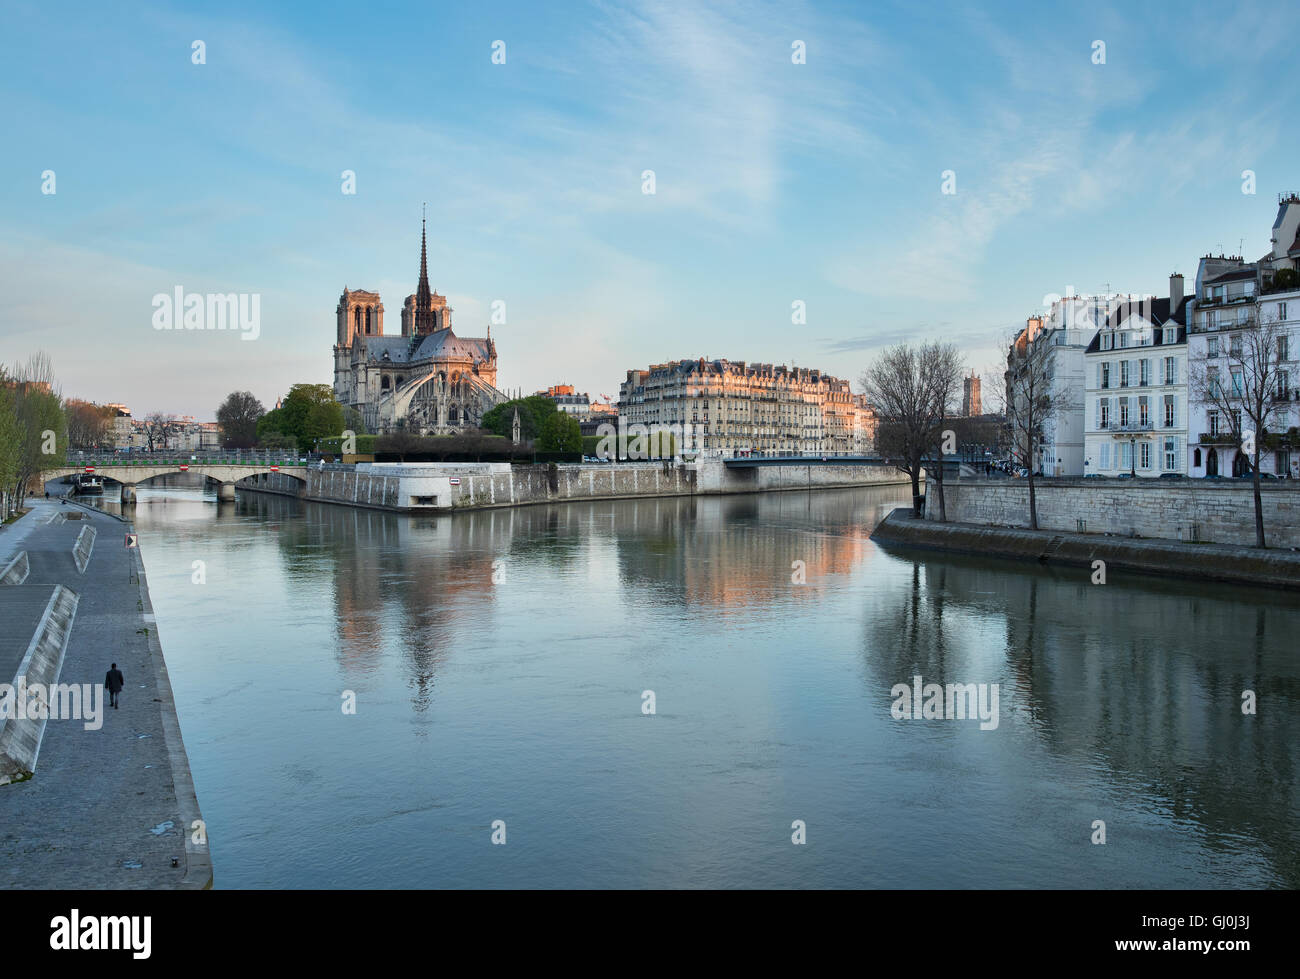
(501, 663)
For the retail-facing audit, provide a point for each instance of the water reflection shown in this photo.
(499, 657)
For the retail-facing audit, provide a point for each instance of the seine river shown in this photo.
(500, 663)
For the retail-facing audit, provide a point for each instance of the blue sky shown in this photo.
(775, 182)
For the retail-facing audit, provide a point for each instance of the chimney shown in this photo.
(1175, 293)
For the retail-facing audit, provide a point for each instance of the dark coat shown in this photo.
(114, 680)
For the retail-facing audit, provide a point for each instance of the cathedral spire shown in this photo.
(423, 294)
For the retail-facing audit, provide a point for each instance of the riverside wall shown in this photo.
(415, 487)
(1191, 510)
(1094, 552)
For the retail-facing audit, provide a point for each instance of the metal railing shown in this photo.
(181, 458)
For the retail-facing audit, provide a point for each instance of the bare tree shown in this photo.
(88, 423)
(903, 383)
(1028, 402)
(942, 367)
(159, 428)
(1247, 398)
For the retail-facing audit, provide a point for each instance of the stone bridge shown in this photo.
(130, 473)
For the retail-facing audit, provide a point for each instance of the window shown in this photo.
(1171, 334)
(1212, 347)
(1108, 341)
(1234, 346)
(1283, 384)
(1236, 419)
(1103, 413)
(1144, 372)
(1282, 348)
(1105, 455)
(1171, 455)
(1214, 422)
(1125, 460)
(1123, 411)
(1212, 381)
(1281, 311)
(1144, 411)
(1171, 370)
(1171, 415)
(1105, 375)
(1237, 387)
(1123, 373)
(1145, 455)
(1282, 463)
(1123, 340)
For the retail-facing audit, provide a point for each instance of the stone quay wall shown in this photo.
(1194, 510)
(471, 486)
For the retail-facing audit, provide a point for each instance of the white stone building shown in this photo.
(1067, 329)
(1136, 413)
(1234, 296)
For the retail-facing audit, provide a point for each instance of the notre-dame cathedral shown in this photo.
(428, 380)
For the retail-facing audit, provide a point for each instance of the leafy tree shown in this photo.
(307, 413)
(560, 433)
(354, 421)
(533, 412)
(10, 441)
(238, 417)
(38, 420)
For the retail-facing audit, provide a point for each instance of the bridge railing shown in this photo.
(75, 460)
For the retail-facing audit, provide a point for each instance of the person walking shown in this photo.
(114, 680)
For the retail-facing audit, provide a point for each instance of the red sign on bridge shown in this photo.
(90, 469)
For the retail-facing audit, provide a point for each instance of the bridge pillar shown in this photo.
(227, 493)
(128, 494)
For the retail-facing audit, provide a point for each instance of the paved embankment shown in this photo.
(1215, 562)
(109, 806)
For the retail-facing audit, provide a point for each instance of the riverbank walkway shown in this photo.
(106, 808)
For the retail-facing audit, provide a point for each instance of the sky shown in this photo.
(775, 182)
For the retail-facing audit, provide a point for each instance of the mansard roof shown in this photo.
(1236, 275)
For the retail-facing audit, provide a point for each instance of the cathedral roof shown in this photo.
(442, 345)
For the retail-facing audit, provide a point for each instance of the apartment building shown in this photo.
(1136, 396)
(730, 408)
(1234, 298)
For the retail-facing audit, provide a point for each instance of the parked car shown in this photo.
(1172, 476)
(1126, 476)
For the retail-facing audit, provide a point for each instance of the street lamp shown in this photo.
(1132, 456)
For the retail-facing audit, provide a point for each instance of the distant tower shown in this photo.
(970, 396)
(514, 428)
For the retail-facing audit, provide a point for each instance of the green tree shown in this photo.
(533, 412)
(353, 421)
(307, 413)
(10, 443)
(560, 433)
(238, 417)
(40, 425)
